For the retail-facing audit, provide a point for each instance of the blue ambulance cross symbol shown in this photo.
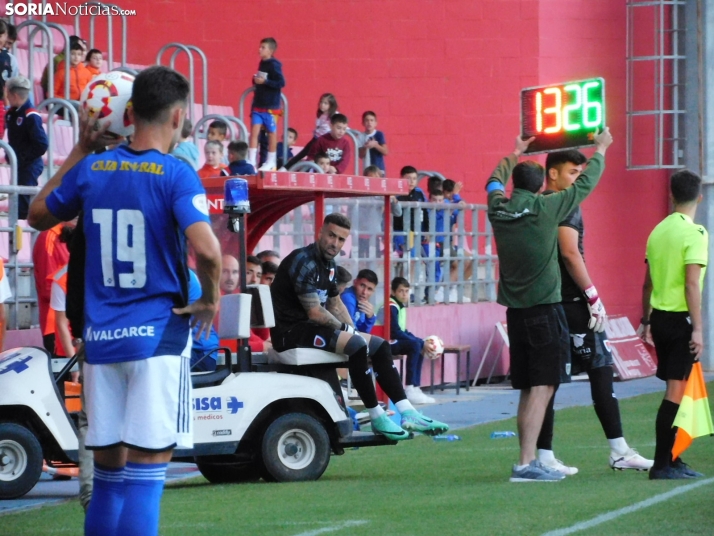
(234, 405)
(19, 366)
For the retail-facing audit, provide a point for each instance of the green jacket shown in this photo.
(526, 231)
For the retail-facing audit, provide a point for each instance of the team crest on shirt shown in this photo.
(332, 274)
(19, 121)
(607, 345)
(319, 342)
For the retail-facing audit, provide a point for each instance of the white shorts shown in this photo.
(144, 404)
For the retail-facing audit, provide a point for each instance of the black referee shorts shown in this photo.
(588, 350)
(538, 338)
(307, 335)
(671, 333)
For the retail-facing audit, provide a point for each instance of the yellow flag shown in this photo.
(693, 418)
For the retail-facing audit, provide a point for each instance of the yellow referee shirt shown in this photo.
(674, 243)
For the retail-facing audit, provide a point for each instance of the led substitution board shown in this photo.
(563, 116)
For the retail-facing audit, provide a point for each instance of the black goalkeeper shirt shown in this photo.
(302, 272)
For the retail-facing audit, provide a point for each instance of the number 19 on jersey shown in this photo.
(130, 245)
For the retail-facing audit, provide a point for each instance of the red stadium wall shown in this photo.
(444, 78)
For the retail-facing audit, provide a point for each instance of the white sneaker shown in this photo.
(415, 396)
(559, 466)
(268, 166)
(631, 459)
(283, 169)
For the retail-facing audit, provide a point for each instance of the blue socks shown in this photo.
(126, 501)
(106, 503)
(143, 486)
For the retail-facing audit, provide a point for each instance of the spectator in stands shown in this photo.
(26, 136)
(403, 342)
(437, 196)
(356, 300)
(202, 346)
(334, 144)
(218, 131)
(93, 61)
(239, 165)
(415, 194)
(79, 75)
(268, 82)
(5, 294)
(373, 140)
(269, 255)
(323, 162)
(269, 271)
(214, 167)
(292, 138)
(5, 68)
(230, 275)
(451, 195)
(9, 42)
(326, 108)
(253, 270)
(342, 278)
(48, 254)
(186, 149)
(56, 61)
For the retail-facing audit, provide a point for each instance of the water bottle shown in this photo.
(498, 435)
(449, 437)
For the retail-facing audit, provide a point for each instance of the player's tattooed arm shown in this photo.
(316, 312)
(337, 308)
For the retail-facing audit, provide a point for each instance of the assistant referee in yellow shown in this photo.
(677, 253)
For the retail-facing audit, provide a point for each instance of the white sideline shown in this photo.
(333, 528)
(604, 518)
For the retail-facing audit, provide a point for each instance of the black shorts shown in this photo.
(538, 338)
(307, 335)
(671, 333)
(588, 350)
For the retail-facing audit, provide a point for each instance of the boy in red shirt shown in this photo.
(334, 144)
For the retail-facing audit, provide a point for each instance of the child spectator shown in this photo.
(11, 38)
(94, 61)
(218, 131)
(415, 194)
(26, 136)
(237, 153)
(5, 68)
(186, 149)
(433, 184)
(269, 271)
(323, 161)
(292, 138)
(334, 145)
(57, 60)
(268, 82)
(403, 342)
(437, 196)
(79, 75)
(373, 140)
(326, 108)
(213, 150)
(356, 300)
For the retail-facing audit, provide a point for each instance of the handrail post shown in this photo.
(354, 139)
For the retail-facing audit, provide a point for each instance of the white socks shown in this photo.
(253, 156)
(375, 412)
(404, 405)
(619, 445)
(545, 455)
(272, 161)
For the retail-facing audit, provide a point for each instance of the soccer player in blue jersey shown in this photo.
(138, 206)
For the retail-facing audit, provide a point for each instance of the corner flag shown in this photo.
(693, 418)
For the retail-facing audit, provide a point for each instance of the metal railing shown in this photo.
(238, 130)
(110, 30)
(48, 41)
(53, 106)
(306, 166)
(286, 116)
(355, 141)
(188, 50)
(20, 311)
(469, 268)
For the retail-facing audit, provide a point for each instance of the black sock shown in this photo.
(606, 405)
(665, 433)
(545, 439)
(384, 369)
(361, 376)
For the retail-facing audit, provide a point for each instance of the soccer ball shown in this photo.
(107, 98)
(433, 347)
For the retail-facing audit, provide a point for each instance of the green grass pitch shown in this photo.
(424, 487)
